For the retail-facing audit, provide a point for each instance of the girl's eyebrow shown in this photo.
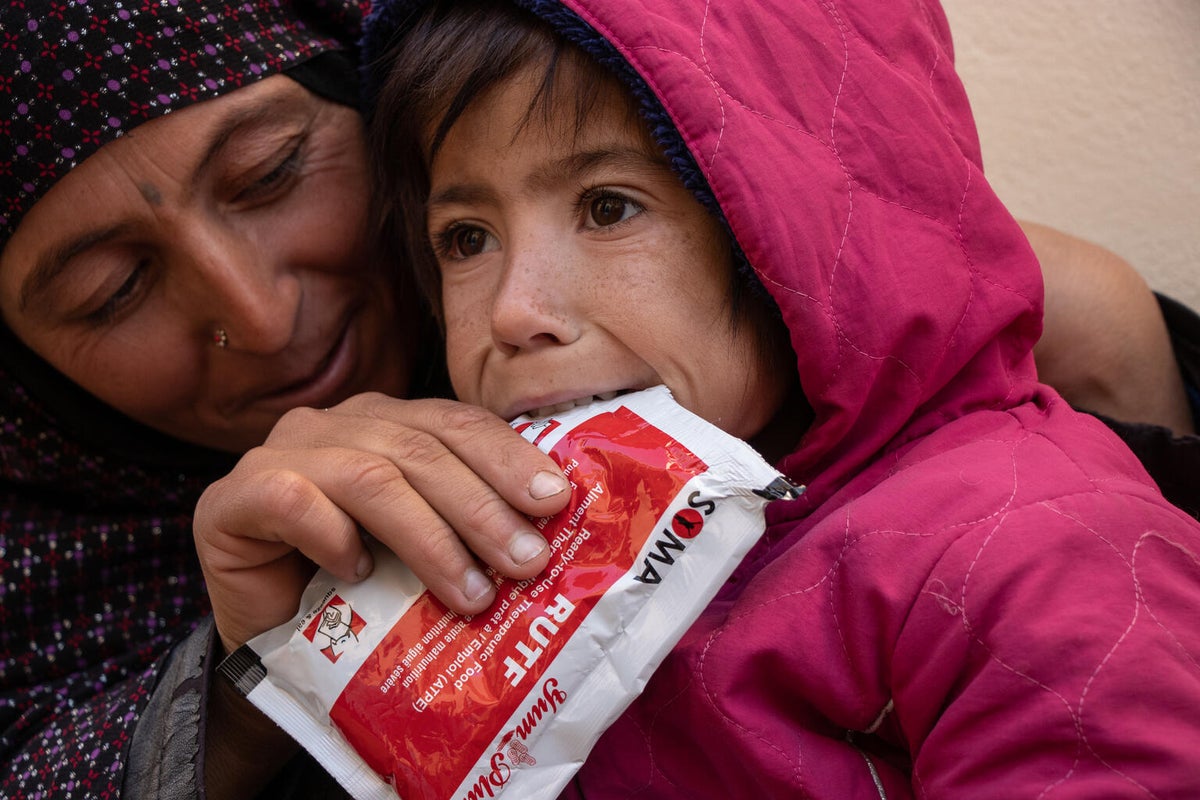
(462, 194)
(546, 176)
(585, 161)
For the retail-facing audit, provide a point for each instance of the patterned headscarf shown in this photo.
(76, 74)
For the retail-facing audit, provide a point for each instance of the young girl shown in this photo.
(981, 593)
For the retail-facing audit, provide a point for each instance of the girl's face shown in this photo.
(576, 264)
(244, 214)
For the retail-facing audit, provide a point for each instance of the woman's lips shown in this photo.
(325, 384)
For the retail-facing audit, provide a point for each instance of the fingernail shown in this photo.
(364, 566)
(526, 547)
(476, 586)
(546, 484)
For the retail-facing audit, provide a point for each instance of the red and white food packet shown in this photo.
(395, 695)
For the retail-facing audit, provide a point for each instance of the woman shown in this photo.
(202, 274)
(236, 222)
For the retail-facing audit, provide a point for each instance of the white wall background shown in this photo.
(1089, 116)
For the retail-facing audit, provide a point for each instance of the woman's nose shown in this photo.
(247, 295)
(533, 305)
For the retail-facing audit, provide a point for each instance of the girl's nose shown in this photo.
(533, 305)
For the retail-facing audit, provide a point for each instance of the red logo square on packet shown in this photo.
(334, 628)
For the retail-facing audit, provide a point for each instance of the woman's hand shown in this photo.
(434, 480)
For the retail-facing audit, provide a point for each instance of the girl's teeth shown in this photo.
(549, 411)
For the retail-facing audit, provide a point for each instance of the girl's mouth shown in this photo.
(567, 405)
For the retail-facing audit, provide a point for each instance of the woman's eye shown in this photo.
(115, 303)
(275, 177)
(281, 169)
(609, 209)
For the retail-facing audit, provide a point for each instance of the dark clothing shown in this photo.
(1173, 461)
(100, 581)
(102, 603)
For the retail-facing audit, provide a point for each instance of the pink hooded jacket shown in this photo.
(982, 594)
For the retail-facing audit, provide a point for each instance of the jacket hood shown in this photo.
(839, 145)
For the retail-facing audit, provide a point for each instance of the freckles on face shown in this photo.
(468, 338)
(575, 263)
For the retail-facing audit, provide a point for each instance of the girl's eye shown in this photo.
(610, 209)
(462, 241)
(469, 241)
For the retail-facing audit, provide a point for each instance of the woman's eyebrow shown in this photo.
(236, 122)
(54, 262)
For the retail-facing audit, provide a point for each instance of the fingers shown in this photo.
(524, 476)
(444, 485)
(249, 525)
(252, 530)
(416, 434)
(249, 522)
(446, 470)
(374, 492)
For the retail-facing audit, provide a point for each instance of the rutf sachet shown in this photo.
(395, 695)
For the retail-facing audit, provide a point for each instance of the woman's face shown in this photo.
(246, 214)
